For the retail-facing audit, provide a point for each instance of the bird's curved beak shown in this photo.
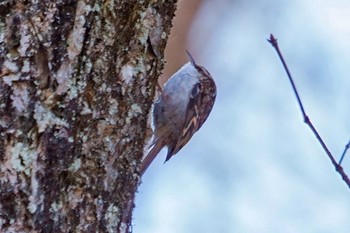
(191, 58)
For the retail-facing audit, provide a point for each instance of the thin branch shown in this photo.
(345, 150)
(338, 168)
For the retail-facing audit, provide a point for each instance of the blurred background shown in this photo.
(255, 166)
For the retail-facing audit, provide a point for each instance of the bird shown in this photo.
(184, 104)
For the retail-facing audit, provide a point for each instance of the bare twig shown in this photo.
(345, 150)
(338, 168)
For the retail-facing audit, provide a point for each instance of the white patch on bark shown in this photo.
(10, 66)
(63, 77)
(20, 98)
(26, 41)
(36, 199)
(22, 158)
(113, 107)
(111, 218)
(8, 79)
(45, 118)
(127, 72)
(76, 38)
(75, 166)
(86, 109)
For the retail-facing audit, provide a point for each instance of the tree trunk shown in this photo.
(76, 86)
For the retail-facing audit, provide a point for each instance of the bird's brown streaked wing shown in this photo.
(199, 106)
(207, 101)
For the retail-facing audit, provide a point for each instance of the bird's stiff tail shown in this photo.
(158, 145)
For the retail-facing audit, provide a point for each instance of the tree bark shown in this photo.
(76, 86)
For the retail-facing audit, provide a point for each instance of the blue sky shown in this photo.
(255, 166)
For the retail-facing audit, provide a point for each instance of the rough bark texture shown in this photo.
(76, 86)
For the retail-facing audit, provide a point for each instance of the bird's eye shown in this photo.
(195, 90)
